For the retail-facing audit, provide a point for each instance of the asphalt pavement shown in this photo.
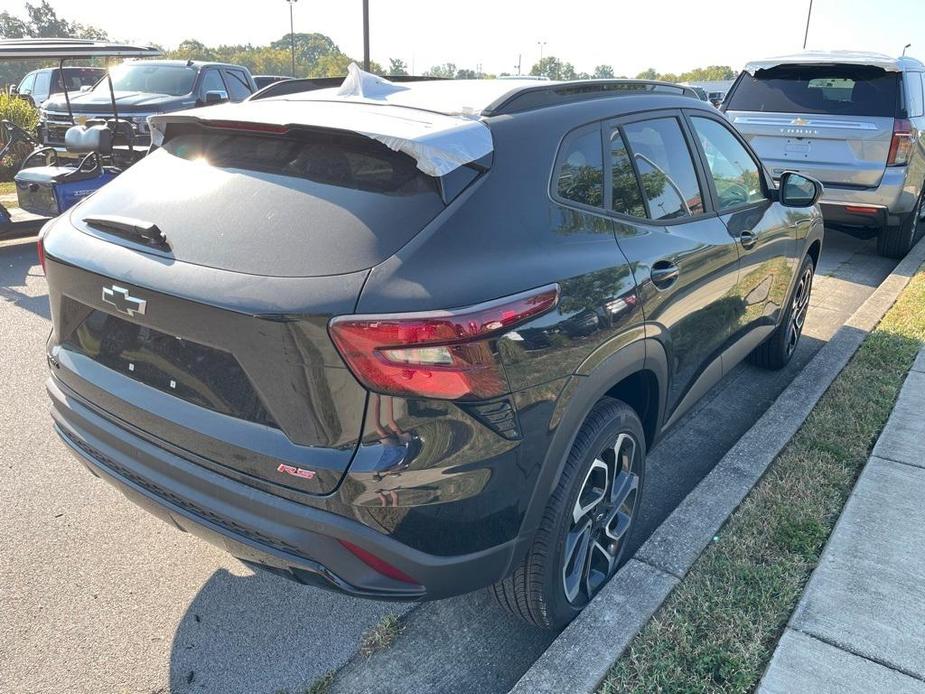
(96, 595)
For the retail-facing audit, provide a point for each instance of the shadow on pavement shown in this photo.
(262, 633)
(463, 644)
(19, 262)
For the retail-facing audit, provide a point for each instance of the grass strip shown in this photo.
(7, 188)
(718, 629)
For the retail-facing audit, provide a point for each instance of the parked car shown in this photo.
(701, 94)
(716, 98)
(263, 80)
(855, 121)
(415, 370)
(40, 85)
(144, 88)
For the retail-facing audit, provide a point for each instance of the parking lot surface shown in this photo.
(96, 595)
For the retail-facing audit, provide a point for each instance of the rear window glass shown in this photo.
(345, 161)
(847, 90)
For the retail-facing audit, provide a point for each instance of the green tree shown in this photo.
(446, 71)
(710, 73)
(649, 74)
(603, 72)
(554, 69)
(41, 21)
(397, 67)
(464, 74)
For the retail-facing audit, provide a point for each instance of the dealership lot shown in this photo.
(114, 600)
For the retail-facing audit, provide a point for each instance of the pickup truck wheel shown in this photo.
(776, 351)
(581, 541)
(896, 241)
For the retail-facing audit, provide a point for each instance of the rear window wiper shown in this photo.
(137, 229)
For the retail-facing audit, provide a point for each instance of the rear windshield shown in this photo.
(305, 204)
(342, 160)
(839, 90)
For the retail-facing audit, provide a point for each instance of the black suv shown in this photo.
(144, 88)
(415, 370)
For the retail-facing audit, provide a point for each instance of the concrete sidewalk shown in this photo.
(860, 625)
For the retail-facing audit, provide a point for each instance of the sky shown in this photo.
(630, 35)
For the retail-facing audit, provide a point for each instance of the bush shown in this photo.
(26, 116)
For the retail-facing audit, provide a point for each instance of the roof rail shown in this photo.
(534, 97)
(310, 84)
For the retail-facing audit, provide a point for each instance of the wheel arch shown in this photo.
(636, 374)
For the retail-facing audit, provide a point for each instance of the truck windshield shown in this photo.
(848, 90)
(172, 80)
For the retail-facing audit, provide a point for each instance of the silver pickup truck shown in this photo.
(852, 120)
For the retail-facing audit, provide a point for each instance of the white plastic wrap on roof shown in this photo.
(827, 58)
(438, 142)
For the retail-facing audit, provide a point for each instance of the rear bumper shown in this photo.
(288, 538)
(892, 197)
(839, 214)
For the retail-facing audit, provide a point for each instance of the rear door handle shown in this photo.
(664, 274)
(748, 238)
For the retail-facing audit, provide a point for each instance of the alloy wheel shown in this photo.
(799, 309)
(600, 520)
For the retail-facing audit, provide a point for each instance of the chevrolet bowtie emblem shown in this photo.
(799, 121)
(123, 301)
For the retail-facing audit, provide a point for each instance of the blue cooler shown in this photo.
(50, 190)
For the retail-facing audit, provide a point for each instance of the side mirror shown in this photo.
(86, 87)
(216, 97)
(797, 190)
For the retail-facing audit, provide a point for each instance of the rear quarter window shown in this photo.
(579, 175)
(839, 90)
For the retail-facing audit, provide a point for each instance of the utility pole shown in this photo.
(366, 35)
(541, 44)
(808, 17)
(292, 35)
(519, 59)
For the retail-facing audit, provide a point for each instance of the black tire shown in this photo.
(896, 241)
(538, 589)
(777, 350)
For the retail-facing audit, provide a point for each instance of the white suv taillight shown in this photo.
(901, 144)
(436, 354)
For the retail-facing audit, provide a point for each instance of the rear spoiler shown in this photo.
(826, 58)
(439, 143)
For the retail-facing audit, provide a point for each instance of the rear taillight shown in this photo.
(901, 144)
(437, 354)
(40, 249)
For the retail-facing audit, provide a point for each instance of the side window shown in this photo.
(238, 87)
(580, 168)
(25, 87)
(42, 84)
(212, 82)
(625, 195)
(669, 180)
(914, 89)
(735, 175)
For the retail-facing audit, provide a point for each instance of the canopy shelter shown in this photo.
(58, 49)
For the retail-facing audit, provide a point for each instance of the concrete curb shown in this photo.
(578, 660)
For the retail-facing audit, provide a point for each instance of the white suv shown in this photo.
(852, 120)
